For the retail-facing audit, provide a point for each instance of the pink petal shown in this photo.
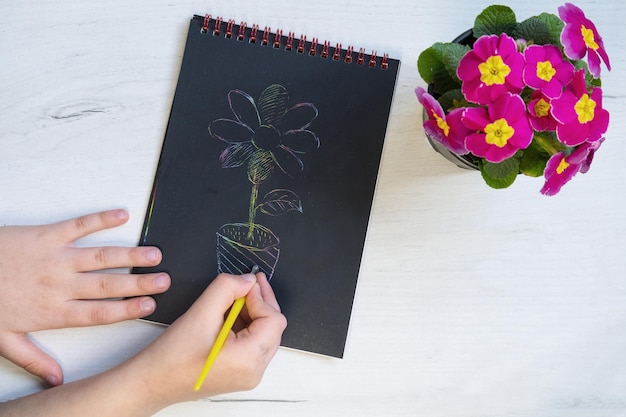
(572, 133)
(593, 61)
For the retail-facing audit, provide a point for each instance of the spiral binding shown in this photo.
(241, 32)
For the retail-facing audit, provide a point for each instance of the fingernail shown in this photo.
(52, 380)
(121, 214)
(147, 305)
(249, 277)
(152, 254)
(161, 281)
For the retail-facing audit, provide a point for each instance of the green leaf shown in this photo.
(495, 20)
(432, 68)
(533, 160)
(452, 99)
(499, 175)
(430, 62)
(555, 27)
(533, 30)
(452, 54)
(548, 142)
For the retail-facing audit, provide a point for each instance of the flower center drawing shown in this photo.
(589, 37)
(493, 70)
(545, 70)
(498, 133)
(266, 137)
(585, 109)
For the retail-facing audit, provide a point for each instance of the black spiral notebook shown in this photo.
(270, 158)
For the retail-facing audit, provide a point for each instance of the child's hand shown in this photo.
(178, 355)
(47, 283)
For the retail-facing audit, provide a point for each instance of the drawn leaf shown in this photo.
(280, 201)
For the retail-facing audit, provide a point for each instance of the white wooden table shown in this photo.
(471, 301)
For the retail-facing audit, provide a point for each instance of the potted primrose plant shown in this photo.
(511, 98)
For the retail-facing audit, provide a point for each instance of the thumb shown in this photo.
(19, 349)
(222, 292)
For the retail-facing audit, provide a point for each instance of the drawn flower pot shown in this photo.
(239, 249)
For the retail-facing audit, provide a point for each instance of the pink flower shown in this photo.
(445, 129)
(546, 70)
(560, 168)
(500, 130)
(580, 37)
(491, 68)
(580, 115)
(540, 116)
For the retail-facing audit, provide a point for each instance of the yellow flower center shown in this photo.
(588, 37)
(545, 70)
(498, 133)
(441, 124)
(542, 108)
(493, 70)
(562, 166)
(585, 109)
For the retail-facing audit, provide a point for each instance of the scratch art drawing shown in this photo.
(263, 136)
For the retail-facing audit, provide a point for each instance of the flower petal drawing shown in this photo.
(298, 117)
(273, 104)
(236, 155)
(244, 109)
(301, 141)
(230, 131)
(288, 161)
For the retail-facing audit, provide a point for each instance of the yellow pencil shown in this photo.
(221, 336)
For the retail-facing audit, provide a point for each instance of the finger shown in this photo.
(267, 293)
(20, 350)
(262, 314)
(222, 292)
(95, 286)
(260, 294)
(90, 223)
(107, 257)
(92, 313)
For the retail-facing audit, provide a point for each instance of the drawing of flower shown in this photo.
(262, 135)
(267, 131)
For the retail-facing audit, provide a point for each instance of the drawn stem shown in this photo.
(252, 212)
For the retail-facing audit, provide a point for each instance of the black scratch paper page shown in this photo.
(270, 158)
